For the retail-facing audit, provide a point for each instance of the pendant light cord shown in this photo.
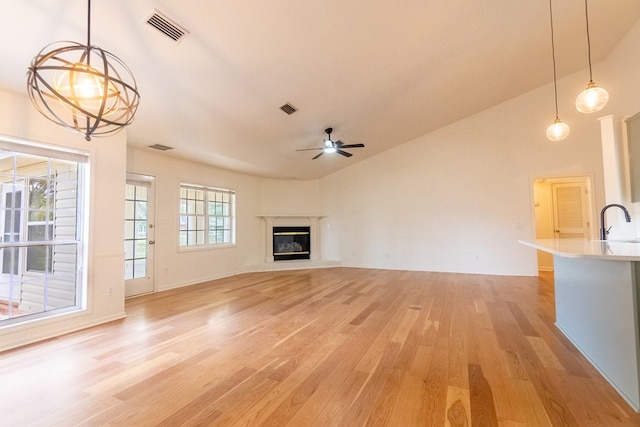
(88, 59)
(89, 23)
(586, 15)
(553, 56)
(89, 128)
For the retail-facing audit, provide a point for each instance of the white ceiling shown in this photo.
(379, 72)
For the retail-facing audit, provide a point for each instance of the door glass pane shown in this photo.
(128, 229)
(128, 270)
(130, 192)
(141, 229)
(141, 210)
(129, 209)
(140, 267)
(141, 192)
(141, 249)
(136, 219)
(128, 249)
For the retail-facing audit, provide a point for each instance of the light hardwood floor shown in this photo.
(326, 347)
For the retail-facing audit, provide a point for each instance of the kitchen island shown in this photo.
(596, 297)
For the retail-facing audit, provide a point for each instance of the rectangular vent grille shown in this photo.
(166, 26)
(160, 147)
(288, 108)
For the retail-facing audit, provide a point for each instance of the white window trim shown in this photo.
(26, 146)
(207, 246)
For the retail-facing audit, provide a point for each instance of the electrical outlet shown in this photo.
(110, 291)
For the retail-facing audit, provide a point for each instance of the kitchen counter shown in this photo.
(614, 250)
(597, 295)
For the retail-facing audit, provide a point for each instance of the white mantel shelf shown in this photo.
(290, 216)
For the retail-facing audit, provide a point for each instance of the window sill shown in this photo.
(198, 248)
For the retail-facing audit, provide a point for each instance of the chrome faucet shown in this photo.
(603, 229)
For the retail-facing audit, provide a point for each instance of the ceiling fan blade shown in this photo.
(344, 153)
(338, 144)
(310, 149)
(318, 155)
(352, 146)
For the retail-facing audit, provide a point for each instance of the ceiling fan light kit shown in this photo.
(330, 146)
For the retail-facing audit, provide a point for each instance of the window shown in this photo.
(40, 225)
(207, 216)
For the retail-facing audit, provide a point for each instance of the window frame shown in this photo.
(80, 213)
(195, 217)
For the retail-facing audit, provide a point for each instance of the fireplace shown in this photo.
(291, 243)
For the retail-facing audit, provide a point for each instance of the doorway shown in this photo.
(139, 235)
(562, 211)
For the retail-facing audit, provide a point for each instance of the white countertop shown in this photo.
(614, 250)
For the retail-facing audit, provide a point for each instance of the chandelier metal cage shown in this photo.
(82, 87)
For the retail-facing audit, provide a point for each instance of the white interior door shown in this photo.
(139, 235)
(570, 210)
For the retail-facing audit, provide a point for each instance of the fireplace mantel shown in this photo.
(310, 217)
(312, 221)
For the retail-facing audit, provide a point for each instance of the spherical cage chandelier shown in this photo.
(83, 88)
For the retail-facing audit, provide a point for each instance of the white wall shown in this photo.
(105, 293)
(176, 267)
(290, 197)
(459, 198)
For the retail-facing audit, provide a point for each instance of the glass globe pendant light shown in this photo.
(83, 87)
(558, 130)
(593, 98)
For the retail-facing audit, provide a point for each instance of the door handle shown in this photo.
(151, 242)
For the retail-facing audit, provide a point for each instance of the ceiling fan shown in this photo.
(332, 146)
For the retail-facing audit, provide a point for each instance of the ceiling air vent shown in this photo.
(166, 26)
(160, 147)
(288, 108)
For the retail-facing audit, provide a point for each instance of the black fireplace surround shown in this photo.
(291, 243)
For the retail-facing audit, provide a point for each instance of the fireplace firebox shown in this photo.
(291, 243)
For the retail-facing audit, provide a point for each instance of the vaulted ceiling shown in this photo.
(378, 72)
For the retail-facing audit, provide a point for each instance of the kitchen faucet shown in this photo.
(603, 229)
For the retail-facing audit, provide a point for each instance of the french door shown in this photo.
(139, 235)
